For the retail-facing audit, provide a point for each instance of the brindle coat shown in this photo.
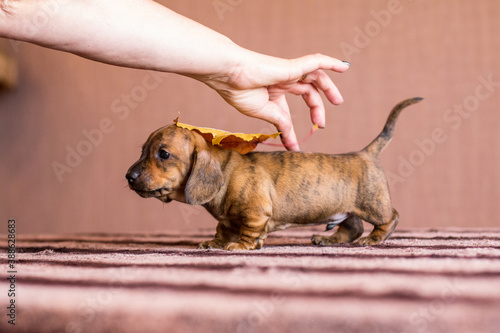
(260, 192)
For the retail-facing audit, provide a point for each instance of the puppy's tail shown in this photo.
(383, 139)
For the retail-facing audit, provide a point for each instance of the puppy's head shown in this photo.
(176, 164)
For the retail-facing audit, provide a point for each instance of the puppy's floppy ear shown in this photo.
(205, 180)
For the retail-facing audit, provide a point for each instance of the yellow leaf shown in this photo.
(242, 143)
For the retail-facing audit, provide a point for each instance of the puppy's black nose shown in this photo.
(132, 175)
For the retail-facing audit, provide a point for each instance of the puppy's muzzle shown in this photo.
(135, 177)
(138, 182)
(132, 176)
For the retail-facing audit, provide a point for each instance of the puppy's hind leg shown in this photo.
(348, 231)
(380, 232)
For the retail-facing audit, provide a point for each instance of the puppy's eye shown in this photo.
(163, 154)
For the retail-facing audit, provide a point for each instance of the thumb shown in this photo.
(281, 119)
(289, 139)
(312, 62)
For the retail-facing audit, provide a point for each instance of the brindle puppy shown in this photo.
(260, 192)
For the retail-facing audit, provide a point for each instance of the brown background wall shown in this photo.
(442, 162)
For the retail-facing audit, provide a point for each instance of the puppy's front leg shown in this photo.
(223, 236)
(252, 234)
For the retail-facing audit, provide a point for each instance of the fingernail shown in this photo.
(346, 62)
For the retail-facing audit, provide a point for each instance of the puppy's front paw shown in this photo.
(211, 244)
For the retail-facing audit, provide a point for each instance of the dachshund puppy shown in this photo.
(260, 192)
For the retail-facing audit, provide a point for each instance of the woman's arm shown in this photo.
(144, 34)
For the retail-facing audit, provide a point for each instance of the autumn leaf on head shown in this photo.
(240, 142)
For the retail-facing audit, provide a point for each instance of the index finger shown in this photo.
(322, 82)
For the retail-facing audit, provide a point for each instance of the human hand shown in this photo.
(255, 84)
(258, 88)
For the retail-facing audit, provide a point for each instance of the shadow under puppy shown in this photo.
(260, 192)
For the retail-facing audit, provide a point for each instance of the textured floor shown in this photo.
(418, 281)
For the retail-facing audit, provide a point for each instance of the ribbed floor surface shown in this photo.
(445, 280)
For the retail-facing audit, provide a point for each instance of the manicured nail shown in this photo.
(346, 62)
